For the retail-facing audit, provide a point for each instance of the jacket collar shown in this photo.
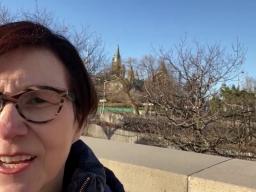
(81, 164)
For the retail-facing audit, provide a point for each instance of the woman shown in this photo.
(45, 97)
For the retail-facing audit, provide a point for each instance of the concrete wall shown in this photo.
(152, 169)
(96, 131)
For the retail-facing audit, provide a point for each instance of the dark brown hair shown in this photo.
(29, 34)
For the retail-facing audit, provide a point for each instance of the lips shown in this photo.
(12, 164)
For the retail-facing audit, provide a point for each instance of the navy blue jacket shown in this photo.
(84, 172)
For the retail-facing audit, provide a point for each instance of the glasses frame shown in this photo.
(14, 99)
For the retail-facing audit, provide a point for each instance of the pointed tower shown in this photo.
(162, 69)
(130, 74)
(162, 74)
(117, 68)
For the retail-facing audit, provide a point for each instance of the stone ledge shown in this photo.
(147, 168)
(233, 175)
(139, 178)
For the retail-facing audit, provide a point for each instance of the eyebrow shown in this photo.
(38, 87)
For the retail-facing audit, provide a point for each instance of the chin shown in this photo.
(16, 188)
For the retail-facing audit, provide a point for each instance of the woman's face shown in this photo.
(47, 144)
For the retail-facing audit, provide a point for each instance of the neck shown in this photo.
(54, 185)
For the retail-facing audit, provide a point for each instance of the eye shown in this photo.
(36, 100)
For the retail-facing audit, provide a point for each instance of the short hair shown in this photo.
(22, 34)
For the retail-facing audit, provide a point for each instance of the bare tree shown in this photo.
(89, 45)
(91, 49)
(5, 15)
(250, 84)
(184, 92)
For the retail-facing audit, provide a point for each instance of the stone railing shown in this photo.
(152, 169)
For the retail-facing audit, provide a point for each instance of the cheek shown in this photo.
(57, 137)
(60, 131)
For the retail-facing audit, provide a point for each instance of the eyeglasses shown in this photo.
(38, 104)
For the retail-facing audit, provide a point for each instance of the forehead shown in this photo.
(25, 67)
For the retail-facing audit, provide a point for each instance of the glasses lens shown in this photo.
(40, 105)
(1, 102)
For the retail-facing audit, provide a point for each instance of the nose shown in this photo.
(11, 123)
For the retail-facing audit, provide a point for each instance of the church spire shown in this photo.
(117, 56)
(117, 67)
(118, 52)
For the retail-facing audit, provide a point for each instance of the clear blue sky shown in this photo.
(140, 25)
